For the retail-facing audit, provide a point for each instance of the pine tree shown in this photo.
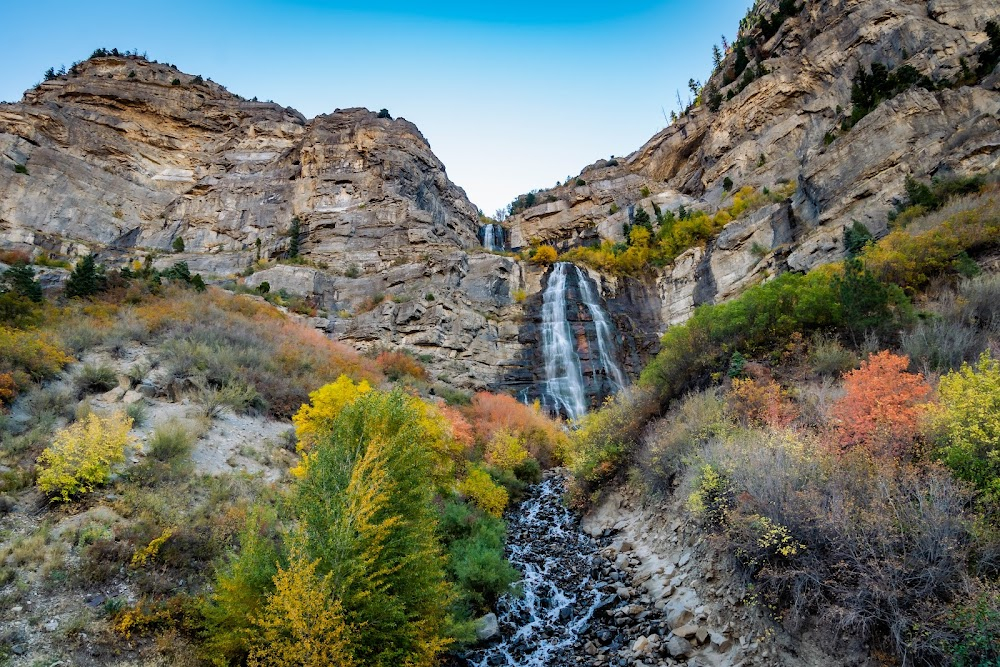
(293, 233)
(20, 279)
(86, 279)
(178, 244)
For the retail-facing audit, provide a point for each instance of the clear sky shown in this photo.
(511, 95)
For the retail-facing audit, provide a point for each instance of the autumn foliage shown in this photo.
(81, 456)
(761, 402)
(882, 406)
(492, 413)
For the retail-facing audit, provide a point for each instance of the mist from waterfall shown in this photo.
(563, 388)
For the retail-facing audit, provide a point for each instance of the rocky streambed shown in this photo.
(578, 603)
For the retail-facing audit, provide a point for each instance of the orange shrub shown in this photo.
(12, 257)
(397, 364)
(461, 429)
(541, 436)
(760, 403)
(8, 389)
(882, 406)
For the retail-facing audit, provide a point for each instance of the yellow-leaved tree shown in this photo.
(302, 624)
(483, 491)
(314, 420)
(362, 576)
(81, 455)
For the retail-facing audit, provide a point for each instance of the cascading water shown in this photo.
(559, 595)
(563, 390)
(492, 237)
(605, 331)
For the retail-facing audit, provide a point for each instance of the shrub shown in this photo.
(505, 451)
(170, 442)
(882, 406)
(727, 184)
(95, 379)
(544, 255)
(942, 345)
(490, 414)
(384, 113)
(811, 532)
(606, 440)
(476, 556)
(27, 357)
(762, 402)
(755, 323)
(669, 446)
(480, 488)
(81, 456)
(829, 358)
(21, 169)
(178, 244)
(395, 365)
(968, 424)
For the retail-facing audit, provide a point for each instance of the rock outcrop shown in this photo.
(785, 126)
(124, 156)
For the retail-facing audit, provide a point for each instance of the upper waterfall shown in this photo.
(492, 237)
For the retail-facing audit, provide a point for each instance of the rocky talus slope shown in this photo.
(785, 126)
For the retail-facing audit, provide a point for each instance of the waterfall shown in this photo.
(492, 237)
(604, 328)
(563, 389)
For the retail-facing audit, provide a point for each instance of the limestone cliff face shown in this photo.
(778, 129)
(127, 155)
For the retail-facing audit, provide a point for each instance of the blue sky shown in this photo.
(512, 95)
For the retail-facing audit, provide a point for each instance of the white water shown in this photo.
(605, 331)
(563, 389)
(493, 237)
(540, 627)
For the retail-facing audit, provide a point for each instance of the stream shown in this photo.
(561, 567)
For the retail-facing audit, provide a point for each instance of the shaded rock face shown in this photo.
(785, 127)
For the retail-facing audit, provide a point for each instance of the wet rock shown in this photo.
(487, 627)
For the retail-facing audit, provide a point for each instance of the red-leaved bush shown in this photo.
(882, 406)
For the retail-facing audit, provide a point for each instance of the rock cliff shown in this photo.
(124, 156)
(784, 123)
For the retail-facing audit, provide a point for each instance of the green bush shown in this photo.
(95, 379)
(170, 442)
(475, 543)
(760, 321)
(20, 169)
